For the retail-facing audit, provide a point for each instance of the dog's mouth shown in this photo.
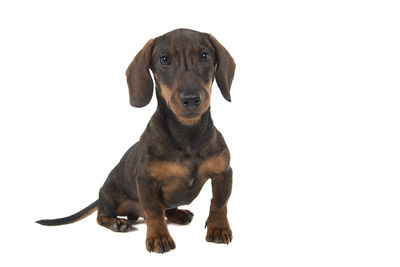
(187, 116)
(190, 114)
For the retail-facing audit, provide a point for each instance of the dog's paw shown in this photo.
(160, 244)
(122, 225)
(218, 229)
(219, 235)
(116, 224)
(179, 216)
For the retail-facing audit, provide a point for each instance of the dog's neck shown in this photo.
(187, 137)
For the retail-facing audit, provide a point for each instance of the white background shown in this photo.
(313, 130)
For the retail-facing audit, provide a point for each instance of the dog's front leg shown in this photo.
(218, 229)
(158, 238)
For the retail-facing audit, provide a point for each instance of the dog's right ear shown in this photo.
(138, 77)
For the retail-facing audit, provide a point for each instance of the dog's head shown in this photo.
(184, 64)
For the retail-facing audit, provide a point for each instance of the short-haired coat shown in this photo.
(180, 148)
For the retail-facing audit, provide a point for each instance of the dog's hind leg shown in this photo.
(111, 205)
(113, 222)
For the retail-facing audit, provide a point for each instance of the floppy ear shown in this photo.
(138, 77)
(225, 68)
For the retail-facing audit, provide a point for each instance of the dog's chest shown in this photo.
(187, 170)
(181, 181)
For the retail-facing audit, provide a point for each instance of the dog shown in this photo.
(179, 150)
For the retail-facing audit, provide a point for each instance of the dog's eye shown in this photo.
(164, 60)
(204, 57)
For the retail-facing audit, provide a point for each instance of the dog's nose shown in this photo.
(190, 100)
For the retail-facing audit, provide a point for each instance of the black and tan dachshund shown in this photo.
(180, 148)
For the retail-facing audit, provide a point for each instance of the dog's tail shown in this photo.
(73, 218)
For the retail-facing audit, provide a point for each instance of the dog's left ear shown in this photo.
(225, 68)
(138, 77)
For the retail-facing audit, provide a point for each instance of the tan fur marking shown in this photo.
(209, 87)
(165, 169)
(166, 92)
(214, 165)
(188, 121)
